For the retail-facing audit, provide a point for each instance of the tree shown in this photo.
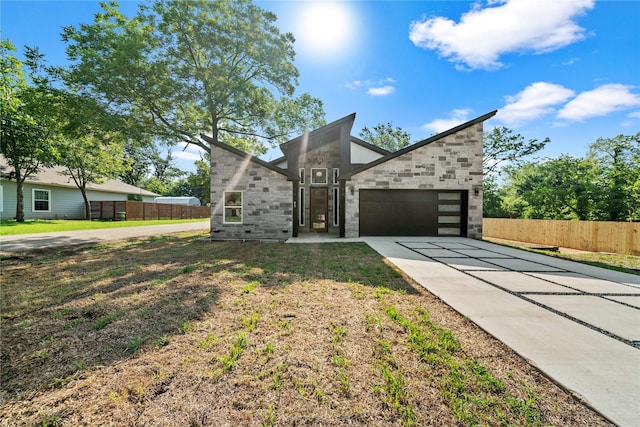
(618, 166)
(26, 129)
(186, 67)
(385, 136)
(502, 145)
(560, 188)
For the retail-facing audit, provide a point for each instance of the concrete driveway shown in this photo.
(578, 324)
(26, 242)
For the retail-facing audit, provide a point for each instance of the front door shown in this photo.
(318, 205)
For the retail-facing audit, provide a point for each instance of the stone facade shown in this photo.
(324, 157)
(267, 198)
(453, 162)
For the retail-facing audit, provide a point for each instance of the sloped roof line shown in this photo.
(252, 158)
(419, 144)
(369, 146)
(329, 126)
(56, 177)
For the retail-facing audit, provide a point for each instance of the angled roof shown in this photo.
(369, 146)
(55, 176)
(321, 136)
(254, 159)
(419, 144)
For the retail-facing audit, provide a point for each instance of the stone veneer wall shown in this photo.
(267, 198)
(326, 156)
(451, 163)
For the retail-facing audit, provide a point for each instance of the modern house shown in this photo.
(50, 194)
(329, 181)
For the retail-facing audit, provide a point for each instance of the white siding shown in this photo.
(361, 155)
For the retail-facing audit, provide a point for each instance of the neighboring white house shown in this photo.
(52, 195)
(183, 200)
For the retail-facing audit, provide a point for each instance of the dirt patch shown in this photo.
(173, 331)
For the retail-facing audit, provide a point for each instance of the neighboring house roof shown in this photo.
(419, 144)
(254, 159)
(55, 177)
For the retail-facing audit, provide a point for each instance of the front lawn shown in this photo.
(174, 331)
(10, 227)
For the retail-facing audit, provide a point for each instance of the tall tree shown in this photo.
(560, 188)
(27, 131)
(502, 145)
(186, 67)
(618, 165)
(385, 136)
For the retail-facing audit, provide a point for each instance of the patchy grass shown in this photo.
(175, 331)
(10, 227)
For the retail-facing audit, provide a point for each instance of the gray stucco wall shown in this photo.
(451, 163)
(267, 206)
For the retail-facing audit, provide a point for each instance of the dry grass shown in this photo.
(173, 331)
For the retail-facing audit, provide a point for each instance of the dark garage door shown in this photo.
(413, 213)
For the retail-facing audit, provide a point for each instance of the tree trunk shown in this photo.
(87, 204)
(19, 199)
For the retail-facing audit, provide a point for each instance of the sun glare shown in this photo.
(326, 30)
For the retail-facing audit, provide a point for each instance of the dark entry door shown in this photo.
(318, 206)
(412, 213)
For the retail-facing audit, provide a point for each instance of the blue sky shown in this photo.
(564, 69)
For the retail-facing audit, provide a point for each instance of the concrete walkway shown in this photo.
(26, 242)
(578, 324)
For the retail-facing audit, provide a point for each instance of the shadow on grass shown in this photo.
(67, 310)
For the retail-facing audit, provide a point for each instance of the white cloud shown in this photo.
(381, 87)
(600, 102)
(354, 84)
(484, 34)
(381, 91)
(536, 100)
(458, 116)
(634, 115)
(189, 152)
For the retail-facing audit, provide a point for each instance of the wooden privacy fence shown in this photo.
(143, 211)
(596, 236)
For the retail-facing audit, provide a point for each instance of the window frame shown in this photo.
(301, 206)
(301, 175)
(34, 200)
(225, 206)
(336, 206)
(313, 174)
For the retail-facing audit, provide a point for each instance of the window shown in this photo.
(41, 200)
(301, 206)
(319, 176)
(336, 175)
(336, 206)
(232, 207)
(301, 175)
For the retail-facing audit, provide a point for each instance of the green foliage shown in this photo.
(602, 186)
(27, 129)
(186, 67)
(385, 136)
(502, 145)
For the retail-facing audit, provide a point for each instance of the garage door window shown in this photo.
(449, 210)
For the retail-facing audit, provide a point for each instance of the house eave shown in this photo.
(252, 158)
(419, 144)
